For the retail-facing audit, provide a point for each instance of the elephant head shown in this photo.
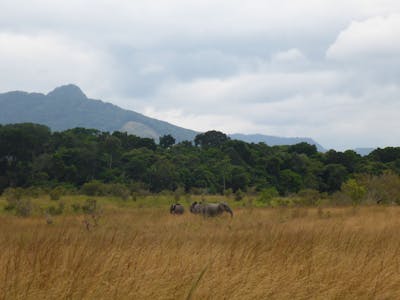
(176, 209)
(195, 208)
(225, 207)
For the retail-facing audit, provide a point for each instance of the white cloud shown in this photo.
(257, 87)
(42, 62)
(152, 69)
(374, 38)
(289, 56)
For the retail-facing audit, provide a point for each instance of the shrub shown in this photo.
(34, 192)
(228, 193)
(355, 191)
(384, 189)
(198, 191)
(179, 192)
(339, 199)
(93, 188)
(12, 196)
(56, 193)
(76, 207)
(309, 197)
(90, 206)
(266, 195)
(239, 195)
(23, 207)
(117, 190)
(281, 202)
(56, 210)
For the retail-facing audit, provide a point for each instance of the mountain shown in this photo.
(275, 140)
(67, 107)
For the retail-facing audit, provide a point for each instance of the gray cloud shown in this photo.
(326, 69)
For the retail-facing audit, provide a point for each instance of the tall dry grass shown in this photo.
(259, 254)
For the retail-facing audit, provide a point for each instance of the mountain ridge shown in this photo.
(275, 140)
(68, 106)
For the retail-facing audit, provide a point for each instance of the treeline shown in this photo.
(32, 155)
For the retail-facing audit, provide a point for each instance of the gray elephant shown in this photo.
(177, 209)
(195, 208)
(210, 209)
(215, 209)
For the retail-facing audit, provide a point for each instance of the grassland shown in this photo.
(143, 252)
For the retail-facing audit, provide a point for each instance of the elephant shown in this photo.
(210, 209)
(215, 209)
(196, 207)
(177, 209)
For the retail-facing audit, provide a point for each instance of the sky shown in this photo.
(325, 69)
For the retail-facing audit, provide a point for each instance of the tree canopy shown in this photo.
(30, 155)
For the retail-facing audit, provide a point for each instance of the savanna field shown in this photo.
(143, 252)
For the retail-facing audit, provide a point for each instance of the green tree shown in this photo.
(210, 139)
(163, 176)
(303, 148)
(355, 191)
(112, 147)
(239, 179)
(167, 141)
(289, 182)
(332, 177)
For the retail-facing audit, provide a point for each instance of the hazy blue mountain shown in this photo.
(275, 140)
(67, 107)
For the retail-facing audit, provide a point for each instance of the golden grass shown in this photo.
(259, 254)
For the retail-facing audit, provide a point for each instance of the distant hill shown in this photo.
(275, 140)
(67, 107)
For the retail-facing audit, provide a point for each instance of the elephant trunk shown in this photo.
(231, 212)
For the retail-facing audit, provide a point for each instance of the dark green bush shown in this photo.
(266, 195)
(93, 188)
(56, 210)
(56, 193)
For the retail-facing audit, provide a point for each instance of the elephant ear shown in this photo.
(221, 207)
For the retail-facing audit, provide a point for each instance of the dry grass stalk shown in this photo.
(259, 254)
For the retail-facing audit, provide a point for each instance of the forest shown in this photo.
(31, 155)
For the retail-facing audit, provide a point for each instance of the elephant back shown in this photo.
(177, 209)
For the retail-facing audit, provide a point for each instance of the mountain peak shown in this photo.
(67, 91)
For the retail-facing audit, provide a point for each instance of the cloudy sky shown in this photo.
(326, 69)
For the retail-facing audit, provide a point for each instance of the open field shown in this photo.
(146, 253)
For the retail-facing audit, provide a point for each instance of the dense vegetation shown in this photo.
(32, 155)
